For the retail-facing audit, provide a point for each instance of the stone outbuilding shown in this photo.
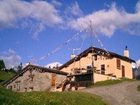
(90, 66)
(35, 78)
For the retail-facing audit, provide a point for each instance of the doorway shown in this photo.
(123, 71)
(53, 80)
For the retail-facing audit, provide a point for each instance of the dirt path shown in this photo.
(120, 94)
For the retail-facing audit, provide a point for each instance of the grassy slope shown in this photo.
(8, 97)
(5, 76)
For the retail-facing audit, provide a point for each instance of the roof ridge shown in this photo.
(96, 48)
(41, 67)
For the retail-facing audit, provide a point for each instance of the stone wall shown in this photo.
(34, 80)
(100, 77)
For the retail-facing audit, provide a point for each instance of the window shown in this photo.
(95, 57)
(118, 64)
(101, 57)
(103, 69)
(107, 65)
(10, 87)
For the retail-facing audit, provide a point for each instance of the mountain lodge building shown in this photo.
(92, 65)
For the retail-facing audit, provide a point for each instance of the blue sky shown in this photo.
(42, 31)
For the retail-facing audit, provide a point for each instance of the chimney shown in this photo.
(126, 52)
(73, 56)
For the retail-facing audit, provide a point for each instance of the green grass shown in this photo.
(110, 82)
(4, 76)
(8, 97)
(138, 88)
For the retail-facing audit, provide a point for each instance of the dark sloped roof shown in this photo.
(95, 49)
(44, 69)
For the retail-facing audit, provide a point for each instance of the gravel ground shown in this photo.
(120, 94)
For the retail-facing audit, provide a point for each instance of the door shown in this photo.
(53, 79)
(123, 71)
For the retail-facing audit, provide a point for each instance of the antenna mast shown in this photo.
(92, 54)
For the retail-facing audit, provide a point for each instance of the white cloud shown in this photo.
(24, 65)
(75, 10)
(29, 63)
(56, 3)
(71, 12)
(134, 65)
(33, 61)
(138, 63)
(53, 64)
(107, 21)
(40, 12)
(10, 58)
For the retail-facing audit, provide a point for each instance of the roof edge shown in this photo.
(95, 48)
(24, 70)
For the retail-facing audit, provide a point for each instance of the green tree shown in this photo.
(12, 70)
(19, 67)
(2, 65)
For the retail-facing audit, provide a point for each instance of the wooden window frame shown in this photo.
(118, 64)
(103, 69)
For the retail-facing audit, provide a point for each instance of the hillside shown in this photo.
(4, 76)
(8, 97)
